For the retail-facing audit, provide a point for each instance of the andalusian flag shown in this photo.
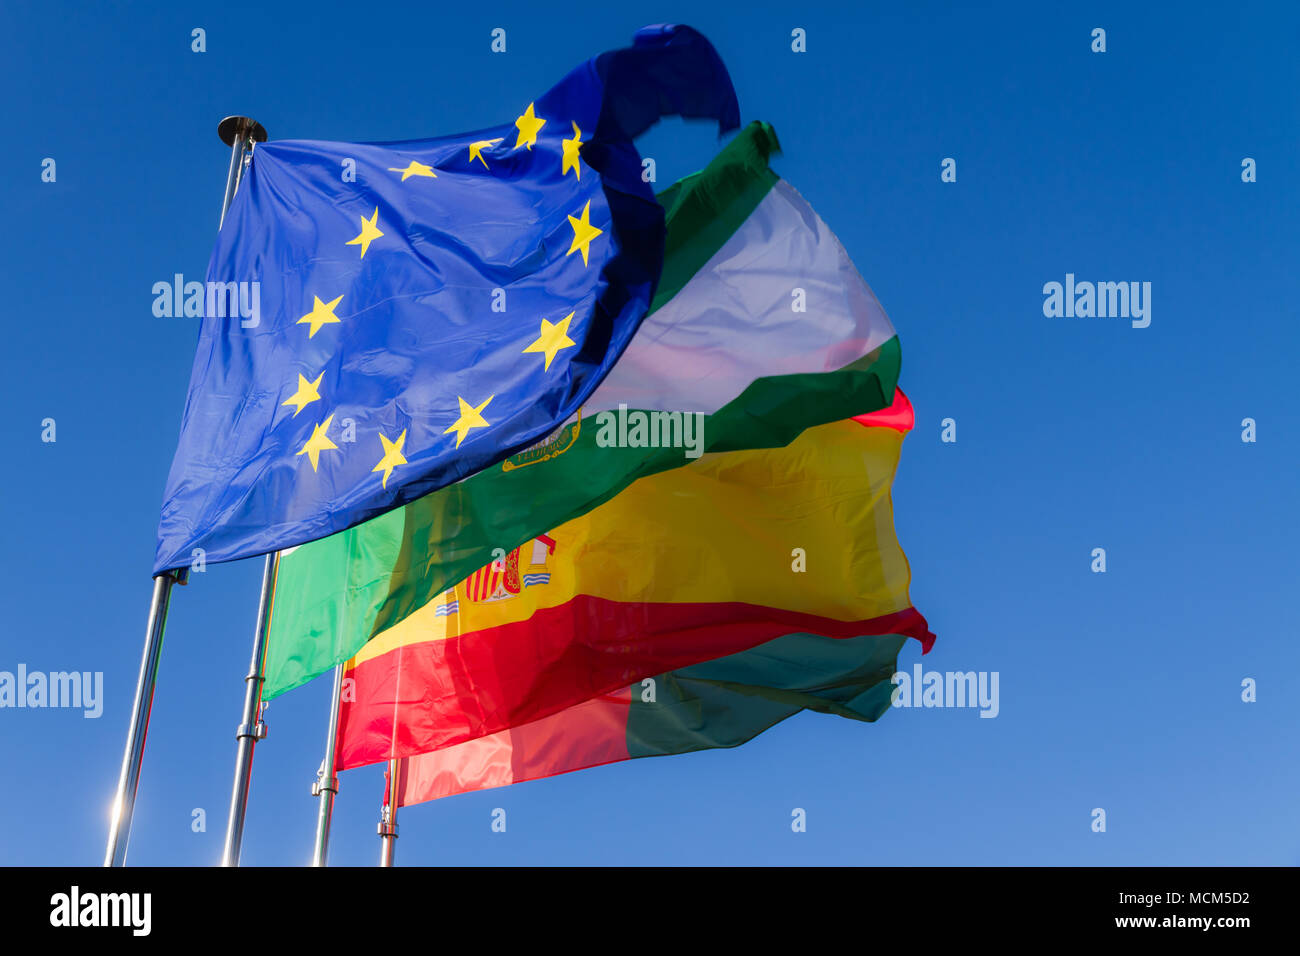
(789, 551)
(760, 328)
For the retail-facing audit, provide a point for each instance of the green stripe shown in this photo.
(729, 701)
(381, 571)
(706, 208)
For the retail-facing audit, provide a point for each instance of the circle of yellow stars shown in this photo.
(552, 337)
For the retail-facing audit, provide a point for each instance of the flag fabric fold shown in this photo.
(761, 328)
(685, 566)
(382, 320)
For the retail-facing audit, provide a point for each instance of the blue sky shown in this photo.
(1119, 690)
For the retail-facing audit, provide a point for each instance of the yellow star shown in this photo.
(528, 126)
(318, 442)
(571, 147)
(476, 150)
(392, 455)
(470, 417)
(583, 232)
(553, 338)
(414, 169)
(369, 232)
(306, 394)
(322, 313)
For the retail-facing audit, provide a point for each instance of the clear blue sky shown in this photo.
(1118, 690)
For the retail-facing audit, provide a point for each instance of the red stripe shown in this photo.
(586, 735)
(465, 687)
(899, 416)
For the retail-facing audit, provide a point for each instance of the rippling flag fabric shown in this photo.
(720, 703)
(713, 559)
(723, 340)
(425, 308)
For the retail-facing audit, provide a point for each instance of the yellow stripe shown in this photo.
(722, 529)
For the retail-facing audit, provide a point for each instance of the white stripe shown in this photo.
(733, 321)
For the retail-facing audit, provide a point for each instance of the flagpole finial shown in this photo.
(240, 133)
(240, 127)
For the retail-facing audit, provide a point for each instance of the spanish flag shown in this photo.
(749, 551)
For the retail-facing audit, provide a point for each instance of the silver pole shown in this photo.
(251, 729)
(239, 133)
(388, 819)
(119, 830)
(327, 784)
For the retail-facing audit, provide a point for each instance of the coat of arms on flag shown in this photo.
(503, 579)
(552, 446)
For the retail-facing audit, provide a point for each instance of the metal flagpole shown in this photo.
(327, 783)
(388, 819)
(251, 727)
(239, 133)
(119, 831)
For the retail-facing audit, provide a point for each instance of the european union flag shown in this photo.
(426, 308)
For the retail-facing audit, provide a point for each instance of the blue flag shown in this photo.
(384, 319)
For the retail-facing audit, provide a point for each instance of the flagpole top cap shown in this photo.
(236, 127)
